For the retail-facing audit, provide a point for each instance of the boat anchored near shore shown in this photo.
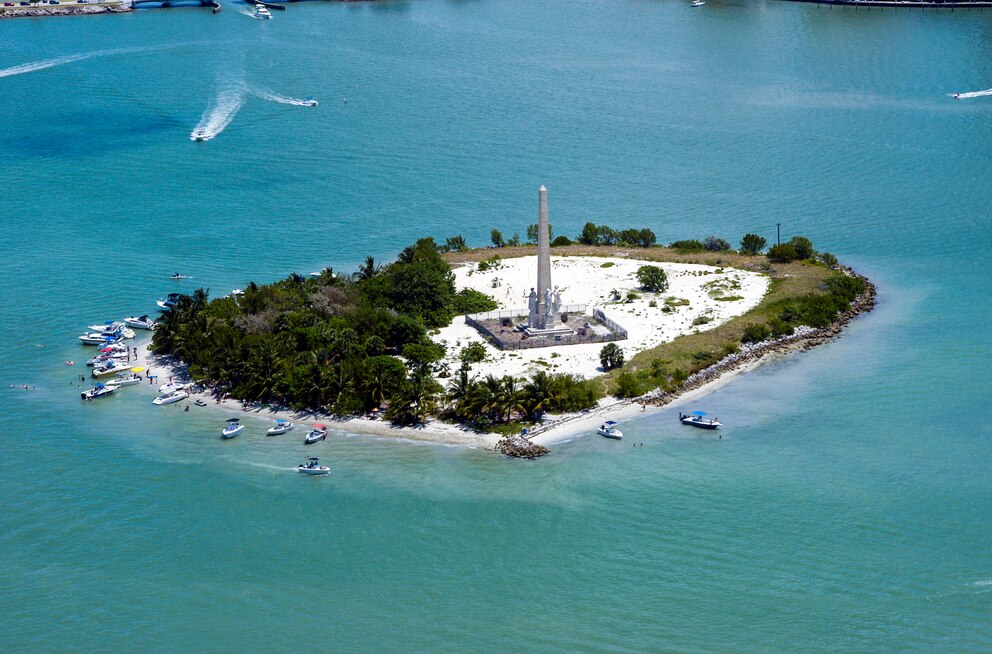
(233, 428)
(698, 419)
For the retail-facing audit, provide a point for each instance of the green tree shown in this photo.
(611, 356)
(514, 240)
(628, 385)
(532, 233)
(752, 244)
(589, 235)
(473, 353)
(652, 278)
(455, 244)
(803, 246)
(421, 357)
(496, 237)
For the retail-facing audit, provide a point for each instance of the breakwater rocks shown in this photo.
(63, 10)
(518, 447)
(803, 339)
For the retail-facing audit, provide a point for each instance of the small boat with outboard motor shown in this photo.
(233, 428)
(313, 468)
(609, 430)
(100, 390)
(281, 427)
(126, 379)
(698, 419)
(111, 367)
(318, 433)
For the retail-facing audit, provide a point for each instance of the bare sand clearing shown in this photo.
(582, 280)
(592, 281)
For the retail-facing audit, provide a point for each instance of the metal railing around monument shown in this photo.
(476, 320)
(601, 317)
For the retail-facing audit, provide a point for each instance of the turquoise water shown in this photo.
(847, 506)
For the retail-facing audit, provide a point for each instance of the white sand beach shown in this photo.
(592, 281)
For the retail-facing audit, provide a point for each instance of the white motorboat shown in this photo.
(100, 338)
(97, 391)
(698, 419)
(312, 467)
(140, 322)
(126, 379)
(609, 430)
(261, 12)
(168, 388)
(171, 397)
(281, 427)
(108, 326)
(698, 3)
(106, 357)
(172, 298)
(318, 433)
(200, 136)
(232, 429)
(111, 367)
(310, 102)
(178, 276)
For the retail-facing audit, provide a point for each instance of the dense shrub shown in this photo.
(714, 244)
(629, 385)
(783, 253)
(803, 246)
(755, 334)
(561, 241)
(652, 278)
(688, 246)
(469, 300)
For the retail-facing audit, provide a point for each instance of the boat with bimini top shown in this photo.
(318, 433)
(698, 419)
(313, 468)
(233, 428)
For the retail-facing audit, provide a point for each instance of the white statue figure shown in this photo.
(556, 302)
(547, 306)
(532, 301)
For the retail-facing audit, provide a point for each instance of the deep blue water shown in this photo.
(847, 507)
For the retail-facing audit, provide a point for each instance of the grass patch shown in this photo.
(729, 298)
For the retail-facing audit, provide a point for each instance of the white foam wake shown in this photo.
(271, 96)
(45, 63)
(219, 115)
(973, 94)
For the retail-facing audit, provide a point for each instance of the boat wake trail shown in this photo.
(266, 94)
(972, 94)
(46, 63)
(219, 115)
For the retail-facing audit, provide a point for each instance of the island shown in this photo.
(454, 344)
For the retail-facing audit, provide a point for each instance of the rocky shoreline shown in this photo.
(63, 10)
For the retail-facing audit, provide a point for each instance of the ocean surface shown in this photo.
(848, 505)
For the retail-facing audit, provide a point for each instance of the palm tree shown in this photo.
(540, 394)
(510, 398)
(367, 270)
(460, 392)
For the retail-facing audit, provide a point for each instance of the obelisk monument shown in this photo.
(541, 308)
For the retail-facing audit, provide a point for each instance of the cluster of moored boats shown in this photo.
(112, 362)
(317, 433)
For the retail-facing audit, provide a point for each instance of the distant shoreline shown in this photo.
(65, 9)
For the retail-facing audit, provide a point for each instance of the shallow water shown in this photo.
(846, 507)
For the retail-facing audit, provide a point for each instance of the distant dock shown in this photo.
(906, 4)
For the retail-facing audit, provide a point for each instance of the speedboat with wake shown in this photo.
(178, 276)
(609, 430)
(312, 467)
(233, 428)
(177, 395)
(281, 427)
(309, 102)
(140, 322)
(698, 419)
(99, 390)
(318, 433)
(261, 12)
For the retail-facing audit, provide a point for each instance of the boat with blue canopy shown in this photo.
(698, 419)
